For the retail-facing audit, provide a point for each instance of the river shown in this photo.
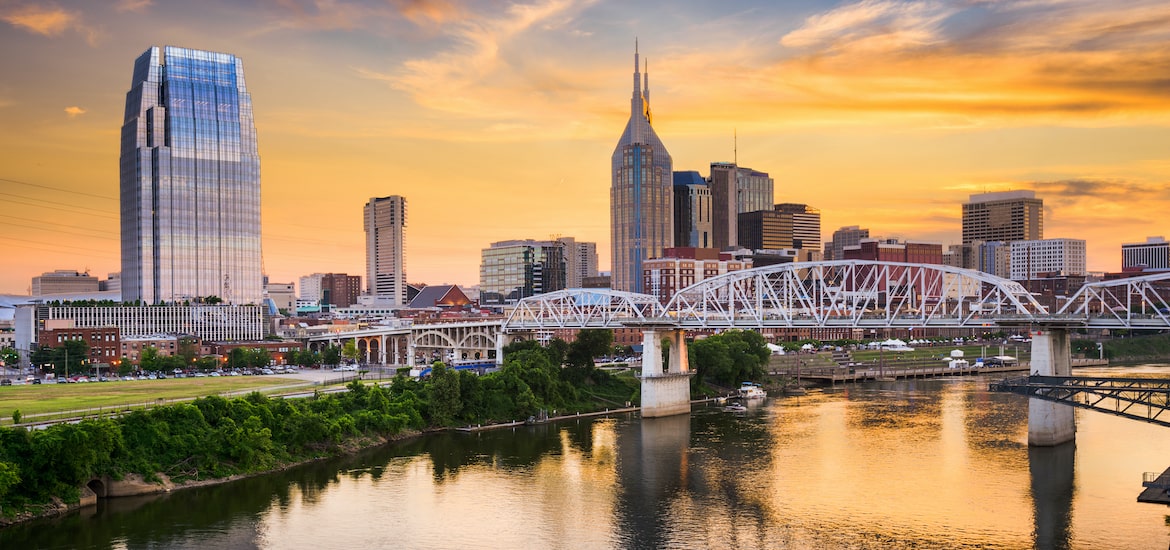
(938, 463)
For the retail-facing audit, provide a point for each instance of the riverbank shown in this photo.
(134, 484)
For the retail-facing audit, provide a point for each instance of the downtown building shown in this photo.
(190, 181)
(1006, 216)
(1032, 259)
(734, 191)
(641, 194)
(1152, 255)
(580, 261)
(511, 270)
(845, 236)
(692, 211)
(385, 225)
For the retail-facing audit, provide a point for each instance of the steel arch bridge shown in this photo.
(582, 308)
(851, 293)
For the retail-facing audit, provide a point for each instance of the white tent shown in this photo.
(807, 347)
(776, 350)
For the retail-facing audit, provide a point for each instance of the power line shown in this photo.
(70, 191)
(55, 205)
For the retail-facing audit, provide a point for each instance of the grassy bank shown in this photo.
(40, 399)
(1153, 348)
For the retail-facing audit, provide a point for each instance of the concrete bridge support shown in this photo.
(665, 392)
(1050, 423)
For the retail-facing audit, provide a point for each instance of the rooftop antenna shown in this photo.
(735, 146)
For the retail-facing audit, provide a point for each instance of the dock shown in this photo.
(1157, 488)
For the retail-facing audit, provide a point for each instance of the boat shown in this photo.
(749, 390)
(735, 407)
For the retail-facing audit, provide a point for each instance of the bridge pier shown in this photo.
(665, 392)
(1050, 423)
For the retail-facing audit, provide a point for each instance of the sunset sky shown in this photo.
(496, 120)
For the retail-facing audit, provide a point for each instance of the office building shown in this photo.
(684, 266)
(283, 296)
(806, 225)
(190, 181)
(1006, 216)
(511, 270)
(580, 261)
(206, 322)
(845, 236)
(735, 190)
(891, 250)
(310, 288)
(641, 195)
(385, 224)
(1152, 255)
(692, 210)
(781, 227)
(1047, 257)
(64, 281)
(340, 289)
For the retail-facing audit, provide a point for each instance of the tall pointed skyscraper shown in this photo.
(190, 180)
(641, 201)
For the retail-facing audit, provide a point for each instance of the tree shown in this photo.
(590, 343)
(188, 349)
(331, 355)
(350, 351)
(10, 356)
(445, 402)
(149, 359)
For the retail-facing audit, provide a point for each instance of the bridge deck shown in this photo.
(1125, 397)
(869, 371)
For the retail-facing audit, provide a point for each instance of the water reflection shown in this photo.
(915, 464)
(1052, 493)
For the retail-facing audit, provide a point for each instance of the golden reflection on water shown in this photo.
(913, 464)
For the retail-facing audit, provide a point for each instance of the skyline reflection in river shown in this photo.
(912, 464)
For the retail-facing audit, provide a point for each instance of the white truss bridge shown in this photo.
(860, 294)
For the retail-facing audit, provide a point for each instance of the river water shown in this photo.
(938, 463)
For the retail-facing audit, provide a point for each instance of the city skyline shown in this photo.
(882, 114)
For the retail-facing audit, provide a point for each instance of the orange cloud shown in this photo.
(134, 5)
(49, 20)
(74, 111)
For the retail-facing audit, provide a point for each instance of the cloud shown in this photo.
(49, 20)
(948, 64)
(872, 25)
(74, 111)
(134, 5)
(487, 73)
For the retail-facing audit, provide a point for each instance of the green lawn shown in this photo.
(34, 399)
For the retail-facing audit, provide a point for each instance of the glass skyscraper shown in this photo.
(641, 196)
(190, 180)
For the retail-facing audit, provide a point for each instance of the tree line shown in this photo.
(215, 437)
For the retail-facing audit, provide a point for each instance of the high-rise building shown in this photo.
(640, 197)
(806, 225)
(846, 236)
(692, 210)
(580, 261)
(735, 190)
(1035, 258)
(1006, 216)
(1152, 255)
(511, 270)
(385, 224)
(190, 180)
